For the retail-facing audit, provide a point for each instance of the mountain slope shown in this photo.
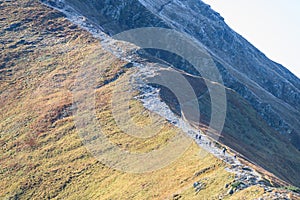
(42, 155)
(242, 62)
(267, 86)
(245, 131)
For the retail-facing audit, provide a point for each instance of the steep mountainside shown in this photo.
(267, 87)
(42, 154)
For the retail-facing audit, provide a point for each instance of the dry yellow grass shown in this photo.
(253, 192)
(42, 155)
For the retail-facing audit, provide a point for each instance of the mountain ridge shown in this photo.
(271, 109)
(42, 155)
(234, 71)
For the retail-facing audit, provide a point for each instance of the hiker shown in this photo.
(197, 136)
(209, 143)
(195, 184)
(224, 150)
(234, 156)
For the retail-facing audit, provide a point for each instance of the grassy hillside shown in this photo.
(42, 155)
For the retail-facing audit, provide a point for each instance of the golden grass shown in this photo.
(42, 155)
(253, 192)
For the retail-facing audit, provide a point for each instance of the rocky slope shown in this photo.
(267, 87)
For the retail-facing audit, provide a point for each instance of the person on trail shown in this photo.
(234, 156)
(197, 136)
(224, 151)
(209, 143)
(195, 184)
